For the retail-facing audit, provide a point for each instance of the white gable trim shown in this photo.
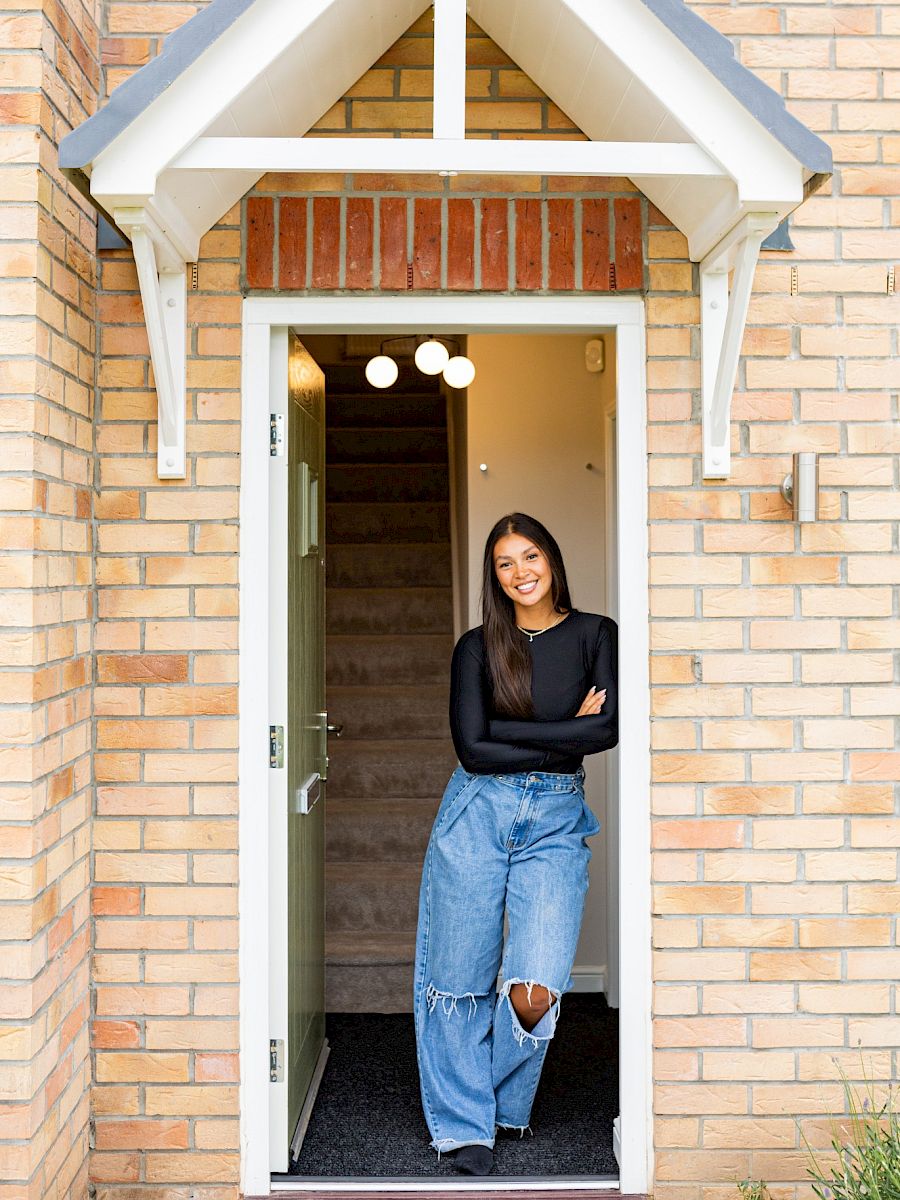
(270, 68)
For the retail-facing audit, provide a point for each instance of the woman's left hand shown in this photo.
(592, 703)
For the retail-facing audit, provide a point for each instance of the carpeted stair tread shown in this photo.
(392, 482)
(369, 987)
(372, 895)
(400, 444)
(348, 409)
(387, 522)
(389, 611)
(364, 946)
(403, 711)
(398, 829)
(355, 659)
(416, 768)
(411, 564)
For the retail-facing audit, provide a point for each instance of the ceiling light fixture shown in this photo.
(382, 371)
(431, 356)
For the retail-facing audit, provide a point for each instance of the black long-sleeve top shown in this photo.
(565, 661)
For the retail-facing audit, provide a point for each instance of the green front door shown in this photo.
(299, 975)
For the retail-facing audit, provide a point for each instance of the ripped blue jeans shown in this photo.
(514, 843)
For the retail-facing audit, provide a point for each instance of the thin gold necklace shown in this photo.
(531, 634)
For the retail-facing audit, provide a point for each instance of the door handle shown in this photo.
(337, 730)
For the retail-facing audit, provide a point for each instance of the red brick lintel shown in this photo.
(583, 242)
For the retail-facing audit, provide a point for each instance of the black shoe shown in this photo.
(474, 1160)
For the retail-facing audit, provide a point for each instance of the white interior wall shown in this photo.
(535, 418)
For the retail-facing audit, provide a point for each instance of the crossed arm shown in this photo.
(576, 735)
(485, 745)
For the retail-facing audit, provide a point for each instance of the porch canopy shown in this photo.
(657, 91)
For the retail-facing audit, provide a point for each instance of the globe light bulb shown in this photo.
(459, 371)
(431, 357)
(381, 371)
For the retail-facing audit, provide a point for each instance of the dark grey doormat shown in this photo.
(367, 1120)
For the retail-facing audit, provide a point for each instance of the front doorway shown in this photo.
(368, 963)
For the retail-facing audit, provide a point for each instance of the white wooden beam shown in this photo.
(164, 297)
(449, 115)
(432, 155)
(723, 318)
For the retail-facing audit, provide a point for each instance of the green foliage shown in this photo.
(867, 1146)
(753, 1189)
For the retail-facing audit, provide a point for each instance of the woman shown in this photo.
(533, 690)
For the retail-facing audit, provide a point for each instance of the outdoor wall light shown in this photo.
(431, 356)
(801, 487)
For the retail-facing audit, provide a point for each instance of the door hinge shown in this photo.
(276, 435)
(276, 745)
(276, 1060)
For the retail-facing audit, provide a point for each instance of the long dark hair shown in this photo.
(509, 663)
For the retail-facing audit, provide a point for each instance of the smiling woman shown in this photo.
(510, 837)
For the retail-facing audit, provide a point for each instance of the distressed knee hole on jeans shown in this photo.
(449, 1001)
(520, 1033)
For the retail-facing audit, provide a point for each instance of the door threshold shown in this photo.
(608, 1184)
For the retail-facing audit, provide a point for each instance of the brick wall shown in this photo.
(49, 76)
(775, 692)
(775, 685)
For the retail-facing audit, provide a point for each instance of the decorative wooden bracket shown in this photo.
(723, 317)
(164, 296)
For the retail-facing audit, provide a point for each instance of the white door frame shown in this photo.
(450, 314)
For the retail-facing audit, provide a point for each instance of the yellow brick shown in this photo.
(867, 997)
(191, 901)
(748, 799)
(797, 1031)
(700, 965)
(762, 1065)
(752, 1132)
(748, 998)
(732, 735)
(768, 965)
(797, 766)
(856, 732)
(797, 701)
(749, 866)
(703, 1099)
(192, 834)
(747, 668)
(873, 635)
(851, 798)
(196, 1100)
(796, 898)
(699, 898)
(848, 931)
(845, 602)
(872, 897)
(747, 602)
(747, 931)
(843, 865)
(799, 834)
(191, 1035)
(124, 1066)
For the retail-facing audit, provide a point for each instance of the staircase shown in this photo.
(389, 638)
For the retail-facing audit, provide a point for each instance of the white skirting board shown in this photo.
(584, 979)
